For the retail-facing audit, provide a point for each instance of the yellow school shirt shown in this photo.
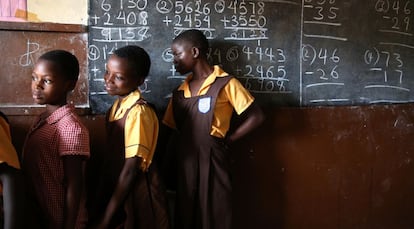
(8, 153)
(141, 128)
(232, 96)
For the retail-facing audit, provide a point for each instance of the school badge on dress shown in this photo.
(204, 104)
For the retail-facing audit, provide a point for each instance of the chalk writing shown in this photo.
(386, 61)
(305, 52)
(27, 59)
(321, 54)
(396, 15)
(241, 21)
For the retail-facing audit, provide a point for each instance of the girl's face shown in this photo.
(48, 86)
(119, 78)
(183, 57)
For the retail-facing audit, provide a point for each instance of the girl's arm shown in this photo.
(251, 118)
(73, 168)
(125, 181)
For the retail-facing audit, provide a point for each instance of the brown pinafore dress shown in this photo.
(203, 181)
(146, 204)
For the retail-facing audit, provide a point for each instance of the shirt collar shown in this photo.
(121, 105)
(129, 100)
(59, 113)
(217, 72)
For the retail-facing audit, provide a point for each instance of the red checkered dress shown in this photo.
(60, 134)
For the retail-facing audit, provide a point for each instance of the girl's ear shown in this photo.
(141, 80)
(195, 51)
(70, 84)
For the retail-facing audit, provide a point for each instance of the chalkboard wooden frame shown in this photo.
(45, 27)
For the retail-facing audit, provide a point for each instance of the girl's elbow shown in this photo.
(259, 116)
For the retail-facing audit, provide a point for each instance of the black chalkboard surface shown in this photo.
(286, 52)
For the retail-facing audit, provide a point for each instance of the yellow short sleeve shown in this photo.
(141, 133)
(169, 116)
(232, 97)
(8, 153)
(239, 97)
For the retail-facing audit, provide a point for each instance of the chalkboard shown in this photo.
(286, 52)
(21, 45)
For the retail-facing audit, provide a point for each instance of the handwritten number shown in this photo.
(320, 15)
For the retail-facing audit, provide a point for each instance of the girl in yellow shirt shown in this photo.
(11, 178)
(131, 179)
(200, 110)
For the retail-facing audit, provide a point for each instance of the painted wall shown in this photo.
(13, 10)
(58, 11)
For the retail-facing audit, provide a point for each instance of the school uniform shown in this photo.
(60, 134)
(203, 176)
(9, 160)
(11, 186)
(8, 153)
(132, 131)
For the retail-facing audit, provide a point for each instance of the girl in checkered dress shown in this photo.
(56, 147)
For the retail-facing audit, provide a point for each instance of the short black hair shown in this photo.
(138, 59)
(66, 62)
(196, 38)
